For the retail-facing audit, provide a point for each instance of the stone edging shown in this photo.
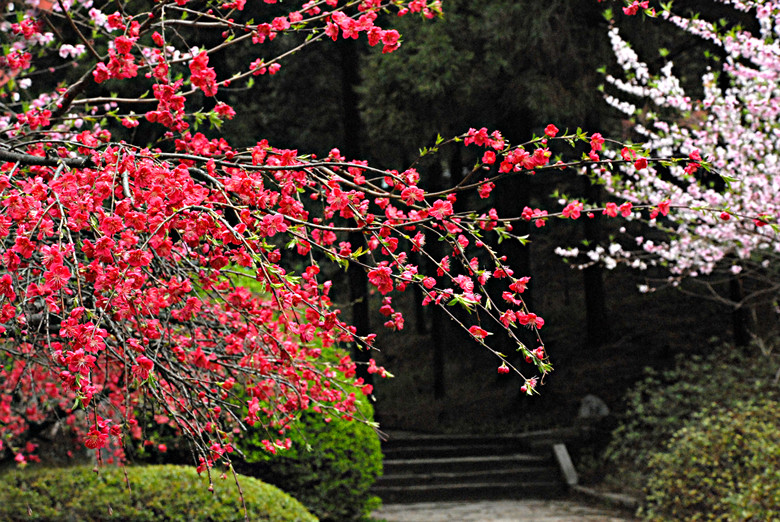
(618, 499)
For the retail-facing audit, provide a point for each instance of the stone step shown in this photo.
(430, 468)
(439, 450)
(531, 438)
(505, 476)
(475, 491)
(456, 464)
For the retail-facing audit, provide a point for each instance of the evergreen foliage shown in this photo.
(150, 493)
(721, 466)
(663, 403)
(330, 466)
(446, 73)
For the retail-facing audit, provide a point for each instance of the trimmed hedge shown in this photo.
(156, 493)
(330, 467)
(724, 465)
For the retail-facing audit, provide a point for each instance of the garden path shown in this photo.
(500, 511)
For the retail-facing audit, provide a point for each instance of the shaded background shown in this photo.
(515, 66)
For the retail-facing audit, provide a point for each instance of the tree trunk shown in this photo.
(356, 275)
(597, 325)
(439, 322)
(740, 317)
(510, 201)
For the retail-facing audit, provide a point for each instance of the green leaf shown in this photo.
(215, 120)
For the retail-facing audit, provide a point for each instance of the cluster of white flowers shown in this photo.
(72, 51)
(729, 213)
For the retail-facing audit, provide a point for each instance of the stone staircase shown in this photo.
(430, 468)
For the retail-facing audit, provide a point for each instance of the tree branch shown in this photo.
(29, 159)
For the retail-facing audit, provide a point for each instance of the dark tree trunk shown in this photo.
(439, 322)
(358, 295)
(350, 78)
(515, 194)
(740, 317)
(420, 319)
(597, 325)
(356, 275)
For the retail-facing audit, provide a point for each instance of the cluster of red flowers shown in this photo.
(127, 269)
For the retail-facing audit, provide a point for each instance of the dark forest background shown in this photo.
(513, 65)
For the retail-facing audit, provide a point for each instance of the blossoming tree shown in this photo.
(126, 258)
(726, 215)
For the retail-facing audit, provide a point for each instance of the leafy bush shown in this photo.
(152, 493)
(330, 467)
(722, 465)
(662, 403)
(760, 499)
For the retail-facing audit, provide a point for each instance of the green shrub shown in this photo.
(662, 403)
(155, 493)
(759, 500)
(330, 467)
(723, 465)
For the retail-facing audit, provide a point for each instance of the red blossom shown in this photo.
(596, 142)
(529, 319)
(477, 137)
(381, 278)
(572, 210)
(486, 188)
(662, 208)
(477, 332)
(632, 9)
(520, 285)
(7, 287)
(640, 163)
(610, 209)
(96, 439)
(202, 76)
(441, 209)
(142, 367)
